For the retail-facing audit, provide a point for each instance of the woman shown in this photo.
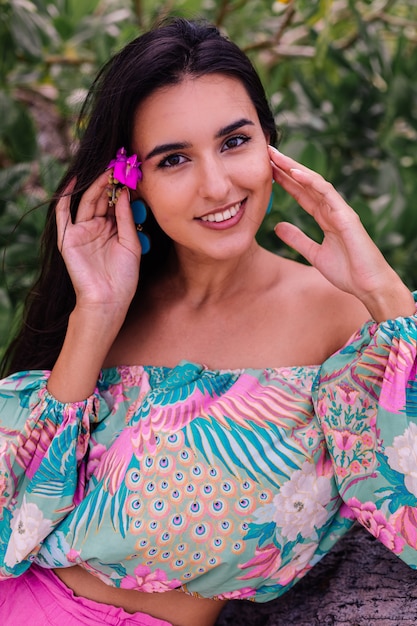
(166, 425)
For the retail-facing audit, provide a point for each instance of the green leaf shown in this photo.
(78, 10)
(18, 131)
(24, 29)
(314, 156)
(51, 172)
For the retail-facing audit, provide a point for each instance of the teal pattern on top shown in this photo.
(227, 483)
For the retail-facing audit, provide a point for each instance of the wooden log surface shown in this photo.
(359, 583)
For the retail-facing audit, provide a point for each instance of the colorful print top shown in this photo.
(224, 484)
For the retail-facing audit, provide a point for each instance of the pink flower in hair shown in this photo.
(126, 170)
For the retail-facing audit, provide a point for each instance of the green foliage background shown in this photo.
(340, 74)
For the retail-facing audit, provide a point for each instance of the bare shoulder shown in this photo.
(329, 300)
(316, 310)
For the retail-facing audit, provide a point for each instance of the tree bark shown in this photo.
(360, 582)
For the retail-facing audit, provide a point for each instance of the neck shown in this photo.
(202, 281)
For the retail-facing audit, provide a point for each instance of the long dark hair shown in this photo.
(160, 57)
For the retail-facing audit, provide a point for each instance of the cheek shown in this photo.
(166, 202)
(155, 196)
(262, 177)
(165, 192)
(264, 170)
(258, 169)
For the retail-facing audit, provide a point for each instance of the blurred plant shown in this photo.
(350, 112)
(339, 73)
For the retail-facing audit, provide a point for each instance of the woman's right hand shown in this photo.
(101, 248)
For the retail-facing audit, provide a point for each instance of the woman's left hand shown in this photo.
(347, 256)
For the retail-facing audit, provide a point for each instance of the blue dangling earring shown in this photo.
(139, 215)
(269, 207)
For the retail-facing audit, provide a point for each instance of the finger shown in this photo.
(289, 172)
(285, 162)
(283, 169)
(307, 178)
(306, 197)
(289, 166)
(286, 181)
(62, 212)
(95, 201)
(326, 205)
(126, 229)
(295, 238)
(315, 195)
(310, 181)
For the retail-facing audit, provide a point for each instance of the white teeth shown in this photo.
(221, 216)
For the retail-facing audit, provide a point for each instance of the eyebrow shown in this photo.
(230, 128)
(182, 145)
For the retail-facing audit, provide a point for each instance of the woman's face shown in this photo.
(206, 171)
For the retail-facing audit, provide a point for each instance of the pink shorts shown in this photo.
(39, 598)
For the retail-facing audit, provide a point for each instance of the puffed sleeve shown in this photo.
(365, 398)
(42, 444)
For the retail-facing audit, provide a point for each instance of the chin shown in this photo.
(226, 251)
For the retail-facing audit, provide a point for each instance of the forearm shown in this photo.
(87, 342)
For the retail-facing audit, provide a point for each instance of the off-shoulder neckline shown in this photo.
(209, 370)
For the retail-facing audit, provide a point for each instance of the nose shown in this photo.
(214, 180)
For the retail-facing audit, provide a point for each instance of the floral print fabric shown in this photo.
(227, 483)
(368, 412)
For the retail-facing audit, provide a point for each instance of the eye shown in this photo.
(235, 142)
(172, 160)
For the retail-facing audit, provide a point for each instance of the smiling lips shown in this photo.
(222, 216)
